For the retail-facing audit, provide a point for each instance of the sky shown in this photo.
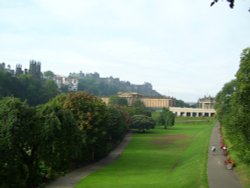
(185, 49)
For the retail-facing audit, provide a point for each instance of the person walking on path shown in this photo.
(69, 180)
(218, 174)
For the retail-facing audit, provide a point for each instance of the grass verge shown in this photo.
(175, 157)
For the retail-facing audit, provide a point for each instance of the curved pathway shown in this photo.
(218, 175)
(69, 180)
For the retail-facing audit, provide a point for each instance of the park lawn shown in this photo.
(176, 157)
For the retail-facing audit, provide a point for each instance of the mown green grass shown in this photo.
(162, 158)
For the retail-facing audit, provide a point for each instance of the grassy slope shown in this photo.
(163, 158)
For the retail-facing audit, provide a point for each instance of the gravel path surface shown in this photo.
(218, 175)
(69, 180)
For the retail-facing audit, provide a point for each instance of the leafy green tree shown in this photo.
(117, 124)
(167, 118)
(241, 107)
(19, 143)
(61, 139)
(8, 84)
(90, 114)
(233, 108)
(138, 107)
(142, 123)
(49, 90)
(119, 101)
(36, 91)
(223, 103)
(49, 75)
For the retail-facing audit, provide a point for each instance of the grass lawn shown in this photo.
(162, 158)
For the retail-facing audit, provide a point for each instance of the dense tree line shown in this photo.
(233, 108)
(26, 87)
(39, 143)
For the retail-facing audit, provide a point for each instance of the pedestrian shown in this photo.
(213, 148)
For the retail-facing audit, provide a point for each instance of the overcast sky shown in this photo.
(185, 49)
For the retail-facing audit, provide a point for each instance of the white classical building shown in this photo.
(193, 112)
(205, 109)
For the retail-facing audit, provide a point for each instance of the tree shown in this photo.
(19, 143)
(49, 75)
(49, 90)
(115, 100)
(167, 118)
(8, 84)
(224, 105)
(142, 123)
(90, 114)
(61, 140)
(231, 3)
(36, 91)
(241, 108)
(117, 124)
(233, 108)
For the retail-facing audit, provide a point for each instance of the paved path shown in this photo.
(218, 175)
(69, 180)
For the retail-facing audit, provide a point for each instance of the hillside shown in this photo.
(100, 86)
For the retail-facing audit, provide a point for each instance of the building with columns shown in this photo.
(205, 109)
(193, 112)
(205, 104)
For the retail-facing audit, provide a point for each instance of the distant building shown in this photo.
(19, 70)
(71, 82)
(192, 112)
(149, 102)
(205, 109)
(206, 102)
(35, 69)
(2, 66)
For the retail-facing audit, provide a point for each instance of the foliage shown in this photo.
(48, 75)
(26, 87)
(181, 103)
(138, 108)
(19, 142)
(90, 114)
(231, 3)
(8, 84)
(233, 108)
(119, 101)
(61, 139)
(117, 123)
(166, 118)
(142, 123)
(38, 144)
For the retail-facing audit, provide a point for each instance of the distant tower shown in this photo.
(2, 66)
(35, 69)
(19, 70)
